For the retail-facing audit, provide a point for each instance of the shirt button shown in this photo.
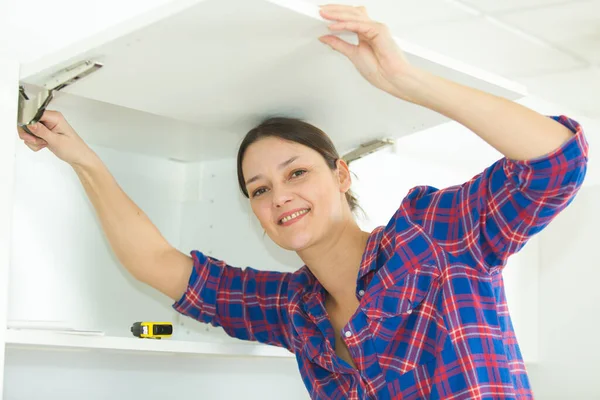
(409, 311)
(361, 292)
(348, 334)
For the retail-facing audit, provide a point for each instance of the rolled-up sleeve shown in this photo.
(248, 304)
(493, 215)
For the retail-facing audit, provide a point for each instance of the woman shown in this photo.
(412, 310)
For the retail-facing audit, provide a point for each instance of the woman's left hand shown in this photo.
(377, 56)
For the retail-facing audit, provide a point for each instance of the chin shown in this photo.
(296, 243)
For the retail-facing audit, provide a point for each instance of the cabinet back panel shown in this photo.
(62, 268)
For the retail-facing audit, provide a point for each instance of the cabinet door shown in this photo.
(224, 65)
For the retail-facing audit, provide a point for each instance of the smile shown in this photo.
(295, 216)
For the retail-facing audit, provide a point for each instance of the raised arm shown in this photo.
(494, 214)
(514, 130)
(136, 242)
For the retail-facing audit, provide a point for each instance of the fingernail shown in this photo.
(33, 127)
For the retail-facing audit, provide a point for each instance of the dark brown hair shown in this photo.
(298, 131)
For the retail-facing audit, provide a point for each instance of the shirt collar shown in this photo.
(367, 264)
(369, 258)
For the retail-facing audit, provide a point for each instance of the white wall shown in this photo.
(570, 299)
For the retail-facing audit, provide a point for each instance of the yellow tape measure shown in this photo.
(152, 330)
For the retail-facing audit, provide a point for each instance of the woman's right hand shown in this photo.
(54, 132)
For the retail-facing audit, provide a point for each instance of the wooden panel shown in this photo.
(225, 65)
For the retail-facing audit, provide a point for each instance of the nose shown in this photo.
(281, 196)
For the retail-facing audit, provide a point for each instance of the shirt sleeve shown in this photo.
(247, 303)
(492, 216)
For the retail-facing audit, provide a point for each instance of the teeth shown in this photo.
(294, 215)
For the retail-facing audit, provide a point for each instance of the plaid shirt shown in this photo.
(433, 320)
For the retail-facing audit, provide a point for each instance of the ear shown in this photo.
(343, 173)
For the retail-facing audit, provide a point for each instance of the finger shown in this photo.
(41, 131)
(339, 45)
(36, 147)
(342, 7)
(344, 13)
(25, 135)
(370, 30)
(51, 119)
(30, 139)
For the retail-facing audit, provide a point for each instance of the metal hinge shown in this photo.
(32, 106)
(367, 148)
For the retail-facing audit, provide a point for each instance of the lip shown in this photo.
(287, 214)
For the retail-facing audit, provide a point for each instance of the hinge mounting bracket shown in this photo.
(367, 148)
(32, 106)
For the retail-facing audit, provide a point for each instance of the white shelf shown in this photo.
(206, 71)
(16, 338)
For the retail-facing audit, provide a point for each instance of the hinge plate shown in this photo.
(33, 104)
(367, 148)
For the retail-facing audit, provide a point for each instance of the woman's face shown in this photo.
(294, 194)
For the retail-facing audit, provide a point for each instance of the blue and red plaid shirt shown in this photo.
(433, 321)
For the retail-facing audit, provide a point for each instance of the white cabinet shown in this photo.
(179, 87)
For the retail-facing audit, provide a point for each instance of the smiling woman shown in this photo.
(294, 167)
(292, 130)
(414, 309)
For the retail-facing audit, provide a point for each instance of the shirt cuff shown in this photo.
(200, 298)
(562, 167)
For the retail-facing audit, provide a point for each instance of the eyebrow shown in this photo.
(281, 166)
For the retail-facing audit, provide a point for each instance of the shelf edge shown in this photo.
(16, 338)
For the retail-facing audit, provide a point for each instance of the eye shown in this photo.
(298, 173)
(258, 192)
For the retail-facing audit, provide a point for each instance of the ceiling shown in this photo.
(551, 46)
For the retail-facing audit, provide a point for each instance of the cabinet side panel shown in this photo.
(9, 78)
